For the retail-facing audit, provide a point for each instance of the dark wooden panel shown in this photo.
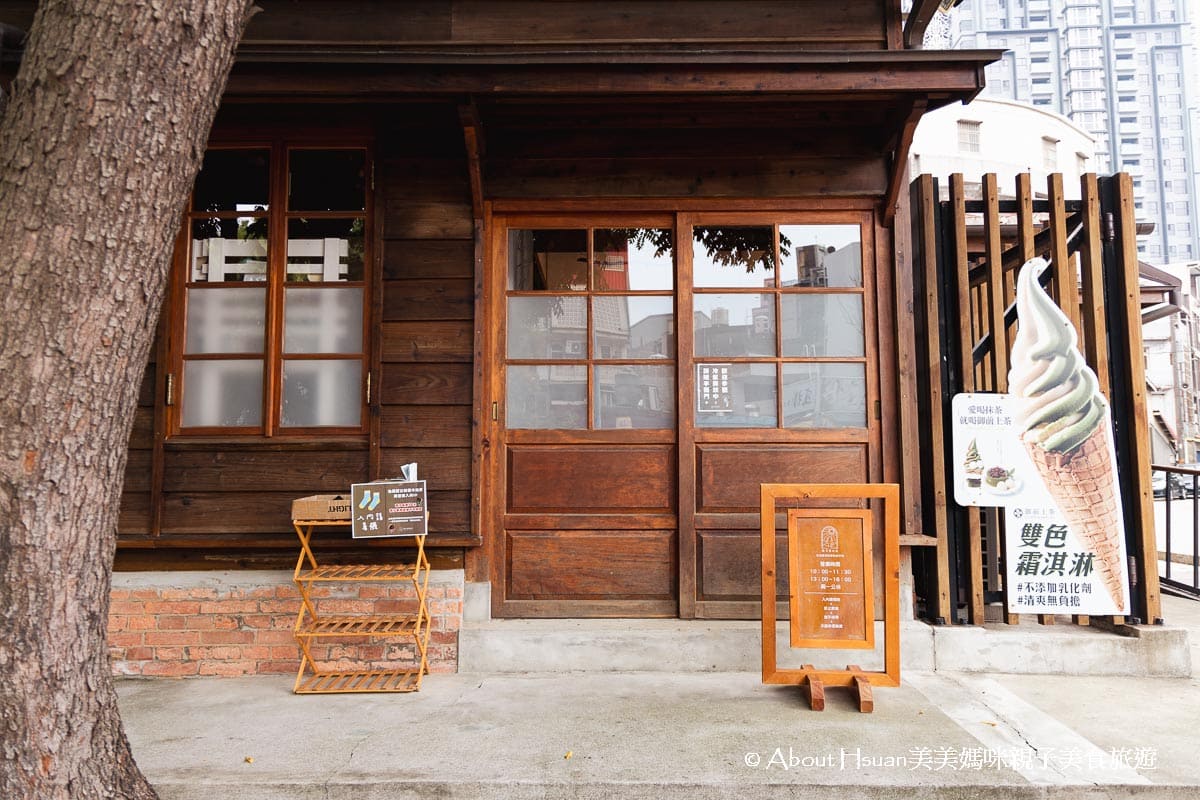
(623, 20)
(426, 426)
(426, 384)
(423, 258)
(728, 476)
(271, 512)
(349, 21)
(582, 479)
(714, 177)
(300, 473)
(445, 469)
(406, 179)
(141, 437)
(137, 471)
(414, 219)
(532, 140)
(439, 299)
(428, 341)
(146, 387)
(591, 565)
(134, 518)
(731, 564)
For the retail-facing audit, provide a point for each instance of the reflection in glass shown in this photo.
(734, 324)
(233, 180)
(225, 393)
(547, 327)
(327, 180)
(735, 395)
(229, 250)
(547, 396)
(551, 260)
(824, 395)
(325, 250)
(634, 396)
(225, 320)
(632, 258)
(824, 255)
(322, 393)
(323, 320)
(629, 326)
(822, 325)
(733, 256)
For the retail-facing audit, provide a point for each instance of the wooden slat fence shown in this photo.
(968, 243)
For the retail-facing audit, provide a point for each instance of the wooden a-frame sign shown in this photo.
(839, 567)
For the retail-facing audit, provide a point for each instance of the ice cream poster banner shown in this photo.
(1052, 468)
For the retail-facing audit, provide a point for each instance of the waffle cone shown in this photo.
(1081, 483)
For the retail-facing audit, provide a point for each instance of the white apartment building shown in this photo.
(1118, 69)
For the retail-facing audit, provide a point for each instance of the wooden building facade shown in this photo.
(600, 269)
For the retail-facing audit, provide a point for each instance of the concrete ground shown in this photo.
(602, 735)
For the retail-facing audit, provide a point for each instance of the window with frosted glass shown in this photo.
(308, 369)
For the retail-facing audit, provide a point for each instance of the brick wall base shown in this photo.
(181, 624)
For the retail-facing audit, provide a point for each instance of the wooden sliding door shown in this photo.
(649, 372)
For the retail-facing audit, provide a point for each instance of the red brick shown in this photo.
(278, 606)
(229, 607)
(221, 653)
(170, 669)
(126, 668)
(199, 594)
(278, 667)
(257, 621)
(274, 637)
(443, 637)
(145, 594)
(173, 607)
(172, 622)
(117, 622)
(280, 651)
(125, 639)
(226, 637)
(131, 607)
(257, 652)
(454, 591)
(139, 653)
(227, 668)
(263, 592)
(170, 653)
(172, 637)
(140, 623)
(120, 594)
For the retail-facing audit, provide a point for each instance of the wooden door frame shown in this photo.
(879, 339)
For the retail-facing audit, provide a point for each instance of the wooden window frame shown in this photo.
(278, 215)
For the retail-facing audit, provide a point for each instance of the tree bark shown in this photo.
(101, 140)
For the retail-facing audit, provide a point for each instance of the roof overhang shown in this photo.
(266, 70)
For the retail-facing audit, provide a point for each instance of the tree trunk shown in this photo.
(101, 140)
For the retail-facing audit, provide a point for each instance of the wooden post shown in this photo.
(966, 370)
(936, 441)
(1147, 551)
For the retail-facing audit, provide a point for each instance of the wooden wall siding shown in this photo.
(428, 311)
(135, 517)
(968, 282)
(858, 24)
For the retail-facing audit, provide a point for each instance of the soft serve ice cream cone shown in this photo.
(1065, 427)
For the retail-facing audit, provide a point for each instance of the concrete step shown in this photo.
(643, 645)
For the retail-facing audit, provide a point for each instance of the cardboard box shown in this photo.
(322, 506)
